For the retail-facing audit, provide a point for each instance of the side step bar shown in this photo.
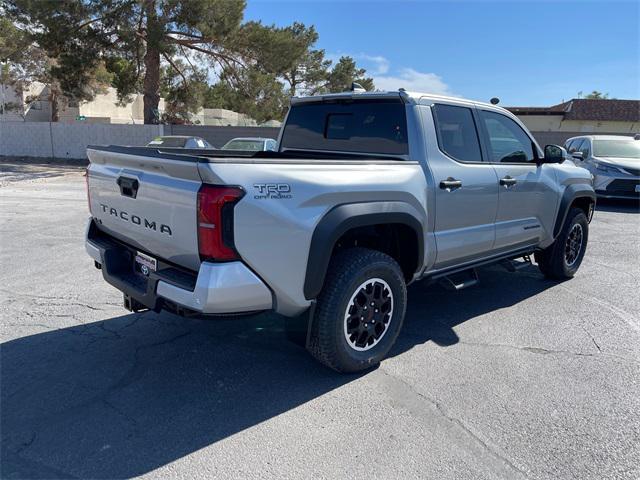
(461, 280)
(512, 266)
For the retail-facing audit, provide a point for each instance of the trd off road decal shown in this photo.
(277, 191)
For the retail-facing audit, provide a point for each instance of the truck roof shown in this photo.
(407, 96)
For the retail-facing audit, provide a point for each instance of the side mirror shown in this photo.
(578, 155)
(554, 154)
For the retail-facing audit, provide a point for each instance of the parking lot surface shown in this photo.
(518, 377)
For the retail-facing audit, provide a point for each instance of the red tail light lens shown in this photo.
(86, 180)
(215, 221)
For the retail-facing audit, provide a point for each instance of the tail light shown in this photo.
(215, 221)
(86, 180)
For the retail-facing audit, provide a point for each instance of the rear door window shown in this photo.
(457, 134)
(360, 126)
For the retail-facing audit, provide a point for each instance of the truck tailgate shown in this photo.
(147, 201)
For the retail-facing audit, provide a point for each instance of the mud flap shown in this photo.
(298, 329)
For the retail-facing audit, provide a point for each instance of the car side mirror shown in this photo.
(577, 155)
(554, 154)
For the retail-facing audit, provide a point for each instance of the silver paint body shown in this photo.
(273, 235)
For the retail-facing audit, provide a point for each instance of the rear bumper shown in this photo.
(217, 288)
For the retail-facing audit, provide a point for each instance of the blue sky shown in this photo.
(525, 53)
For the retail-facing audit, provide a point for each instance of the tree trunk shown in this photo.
(151, 84)
(53, 101)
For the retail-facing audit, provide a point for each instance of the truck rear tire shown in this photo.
(561, 260)
(360, 310)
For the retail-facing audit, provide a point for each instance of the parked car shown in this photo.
(613, 160)
(180, 141)
(367, 193)
(251, 144)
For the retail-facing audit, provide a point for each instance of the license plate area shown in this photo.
(144, 264)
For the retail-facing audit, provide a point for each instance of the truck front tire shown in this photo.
(561, 260)
(360, 310)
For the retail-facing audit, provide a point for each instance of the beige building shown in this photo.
(15, 107)
(583, 115)
(104, 108)
(33, 105)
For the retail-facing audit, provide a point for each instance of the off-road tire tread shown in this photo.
(551, 260)
(343, 267)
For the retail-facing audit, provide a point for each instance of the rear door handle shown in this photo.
(508, 181)
(450, 184)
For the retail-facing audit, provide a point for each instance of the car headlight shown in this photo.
(606, 168)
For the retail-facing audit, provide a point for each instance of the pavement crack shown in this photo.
(492, 450)
(618, 312)
(123, 414)
(548, 351)
(24, 445)
(592, 338)
(41, 325)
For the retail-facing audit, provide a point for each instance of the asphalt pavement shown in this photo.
(519, 377)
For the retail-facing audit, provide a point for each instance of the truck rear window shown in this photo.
(361, 126)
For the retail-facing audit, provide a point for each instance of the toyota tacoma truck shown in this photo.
(366, 193)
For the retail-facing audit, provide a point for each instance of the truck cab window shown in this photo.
(457, 133)
(507, 142)
(363, 126)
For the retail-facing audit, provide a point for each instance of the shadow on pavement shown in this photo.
(124, 396)
(617, 206)
(31, 171)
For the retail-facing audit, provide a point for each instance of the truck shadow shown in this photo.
(124, 396)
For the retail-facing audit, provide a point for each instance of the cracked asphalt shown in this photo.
(518, 377)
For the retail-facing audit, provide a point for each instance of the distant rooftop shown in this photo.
(587, 109)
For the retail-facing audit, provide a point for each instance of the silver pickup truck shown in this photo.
(366, 193)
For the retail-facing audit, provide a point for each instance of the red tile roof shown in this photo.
(588, 109)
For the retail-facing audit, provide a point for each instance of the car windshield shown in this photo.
(250, 145)
(168, 142)
(617, 148)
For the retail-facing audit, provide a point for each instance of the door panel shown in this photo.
(524, 212)
(525, 189)
(466, 190)
(464, 216)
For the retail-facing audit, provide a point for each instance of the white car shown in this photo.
(252, 144)
(613, 160)
(180, 141)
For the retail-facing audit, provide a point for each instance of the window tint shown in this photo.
(168, 142)
(507, 141)
(457, 133)
(575, 145)
(617, 148)
(585, 148)
(365, 126)
(246, 145)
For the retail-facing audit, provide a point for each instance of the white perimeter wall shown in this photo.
(59, 140)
